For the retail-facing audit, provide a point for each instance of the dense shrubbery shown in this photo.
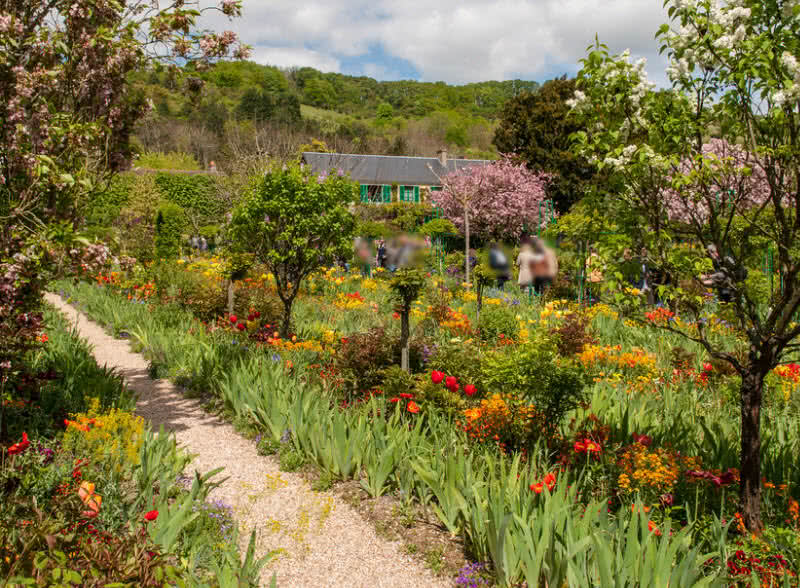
(104, 501)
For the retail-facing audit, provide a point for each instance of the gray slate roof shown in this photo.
(388, 169)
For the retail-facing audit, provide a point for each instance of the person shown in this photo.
(499, 263)
(539, 267)
(203, 244)
(195, 242)
(726, 274)
(551, 266)
(525, 261)
(473, 259)
(380, 258)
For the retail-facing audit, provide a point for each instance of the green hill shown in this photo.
(230, 106)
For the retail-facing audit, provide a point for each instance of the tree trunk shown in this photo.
(750, 471)
(466, 246)
(404, 336)
(231, 297)
(286, 323)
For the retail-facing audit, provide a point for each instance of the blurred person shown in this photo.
(594, 269)
(726, 274)
(550, 266)
(526, 260)
(380, 256)
(499, 263)
(539, 267)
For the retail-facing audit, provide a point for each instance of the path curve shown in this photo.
(324, 542)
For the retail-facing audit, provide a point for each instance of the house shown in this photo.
(388, 178)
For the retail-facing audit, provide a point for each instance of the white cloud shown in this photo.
(453, 40)
(289, 57)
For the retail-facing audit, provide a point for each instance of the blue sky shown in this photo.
(456, 41)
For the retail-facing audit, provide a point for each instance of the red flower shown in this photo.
(469, 389)
(257, 314)
(395, 315)
(645, 440)
(19, 447)
(450, 381)
(250, 317)
(394, 400)
(412, 407)
(436, 377)
(549, 481)
(707, 367)
(233, 319)
(151, 516)
(240, 326)
(406, 395)
(454, 388)
(653, 529)
(587, 446)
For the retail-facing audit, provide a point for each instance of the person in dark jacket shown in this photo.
(499, 263)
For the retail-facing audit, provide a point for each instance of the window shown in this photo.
(409, 193)
(375, 194)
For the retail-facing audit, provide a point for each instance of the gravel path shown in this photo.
(322, 540)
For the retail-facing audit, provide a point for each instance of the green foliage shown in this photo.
(173, 160)
(196, 194)
(169, 226)
(496, 321)
(295, 223)
(438, 227)
(537, 127)
(533, 372)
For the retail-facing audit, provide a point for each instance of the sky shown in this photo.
(455, 41)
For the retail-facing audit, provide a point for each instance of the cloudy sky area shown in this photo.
(456, 41)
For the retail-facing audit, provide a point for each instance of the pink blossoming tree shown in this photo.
(494, 201)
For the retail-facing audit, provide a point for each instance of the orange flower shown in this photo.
(549, 481)
(90, 499)
(653, 529)
(413, 407)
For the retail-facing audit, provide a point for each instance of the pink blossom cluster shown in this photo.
(739, 181)
(503, 198)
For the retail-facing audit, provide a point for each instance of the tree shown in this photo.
(498, 200)
(734, 69)
(406, 285)
(536, 127)
(67, 111)
(295, 223)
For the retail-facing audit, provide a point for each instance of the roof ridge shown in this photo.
(390, 156)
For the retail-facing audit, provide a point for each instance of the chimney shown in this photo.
(442, 154)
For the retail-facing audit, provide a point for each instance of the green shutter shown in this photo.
(387, 194)
(364, 193)
(416, 193)
(402, 195)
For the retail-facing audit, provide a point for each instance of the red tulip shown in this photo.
(436, 377)
(19, 447)
(454, 388)
(257, 314)
(645, 440)
(406, 395)
(450, 381)
(233, 319)
(394, 400)
(469, 389)
(151, 516)
(240, 326)
(413, 407)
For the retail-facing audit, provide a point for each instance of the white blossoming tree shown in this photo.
(713, 161)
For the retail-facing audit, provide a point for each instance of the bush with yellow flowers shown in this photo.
(112, 437)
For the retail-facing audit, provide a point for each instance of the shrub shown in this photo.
(496, 321)
(195, 194)
(113, 438)
(168, 230)
(534, 373)
(573, 334)
(171, 160)
(362, 358)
